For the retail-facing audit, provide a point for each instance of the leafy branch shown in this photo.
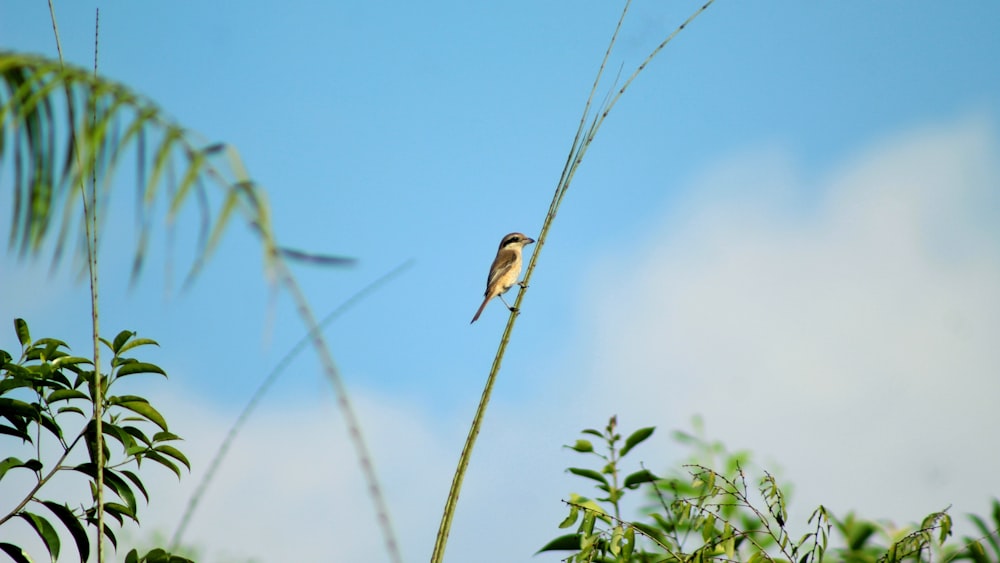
(41, 395)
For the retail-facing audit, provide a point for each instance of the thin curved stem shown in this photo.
(581, 141)
(262, 389)
(350, 417)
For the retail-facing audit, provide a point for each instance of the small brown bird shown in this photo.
(505, 270)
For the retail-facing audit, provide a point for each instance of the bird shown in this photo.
(505, 270)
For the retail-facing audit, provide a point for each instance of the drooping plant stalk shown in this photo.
(262, 389)
(344, 402)
(581, 141)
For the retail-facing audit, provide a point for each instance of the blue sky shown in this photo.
(787, 225)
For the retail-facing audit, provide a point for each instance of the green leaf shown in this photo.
(160, 556)
(568, 542)
(71, 409)
(141, 407)
(13, 408)
(648, 530)
(582, 446)
(16, 553)
(135, 343)
(977, 553)
(593, 432)
(23, 335)
(708, 528)
(629, 544)
(13, 463)
(52, 348)
(637, 438)
(587, 526)
(945, 528)
(88, 469)
(639, 477)
(118, 510)
(72, 524)
(17, 433)
(729, 541)
(117, 433)
(66, 395)
(165, 437)
(574, 513)
(120, 340)
(174, 453)
(137, 482)
(615, 544)
(16, 371)
(986, 532)
(164, 462)
(589, 474)
(133, 367)
(113, 481)
(45, 531)
(67, 361)
(667, 525)
(138, 434)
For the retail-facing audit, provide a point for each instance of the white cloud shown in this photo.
(852, 337)
(291, 490)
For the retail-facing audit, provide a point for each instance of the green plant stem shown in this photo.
(98, 395)
(615, 492)
(581, 141)
(441, 540)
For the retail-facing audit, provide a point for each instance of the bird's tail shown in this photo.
(480, 311)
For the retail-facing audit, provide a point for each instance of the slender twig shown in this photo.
(271, 378)
(98, 394)
(581, 141)
(57, 466)
(90, 227)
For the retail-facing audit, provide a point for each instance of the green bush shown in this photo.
(697, 513)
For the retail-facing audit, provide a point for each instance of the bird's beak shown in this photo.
(530, 240)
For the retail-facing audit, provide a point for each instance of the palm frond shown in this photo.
(60, 125)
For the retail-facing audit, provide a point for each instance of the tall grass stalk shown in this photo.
(581, 141)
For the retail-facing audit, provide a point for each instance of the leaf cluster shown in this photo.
(47, 395)
(697, 514)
